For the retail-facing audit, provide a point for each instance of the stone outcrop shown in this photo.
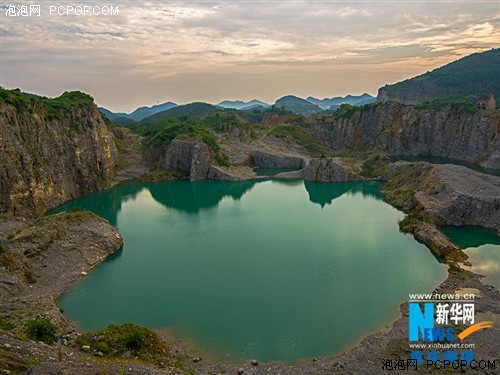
(449, 194)
(131, 156)
(44, 163)
(45, 258)
(192, 157)
(439, 244)
(262, 159)
(38, 262)
(396, 129)
(329, 170)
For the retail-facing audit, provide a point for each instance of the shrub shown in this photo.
(134, 340)
(55, 108)
(117, 340)
(5, 325)
(41, 329)
(102, 346)
(375, 165)
(345, 110)
(222, 159)
(414, 218)
(159, 135)
(14, 97)
(208, 138)
(462, 104)
(160, 175)
(297, 134)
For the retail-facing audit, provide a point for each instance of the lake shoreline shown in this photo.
(369, 351)
(362, 356)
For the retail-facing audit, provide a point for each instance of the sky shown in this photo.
(183, 51)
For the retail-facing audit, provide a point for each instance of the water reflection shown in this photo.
(229, 274)
(115, 256)
(192, 197)
(483, 248)
(469, 236)
(324, 194)
(105, 203)
(273, 171)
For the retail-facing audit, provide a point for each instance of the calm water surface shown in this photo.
(272, 270)
(483, 248)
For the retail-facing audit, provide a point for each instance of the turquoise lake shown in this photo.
(272, 270)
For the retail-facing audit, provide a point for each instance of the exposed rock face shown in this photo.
(38, 263)
(329, 170)
(397, 129)
(439, 244)
(131, 159)
(47, 257)
(44, 163)
(387, 94)
(192, 157)
(450, 194)
(263, 159)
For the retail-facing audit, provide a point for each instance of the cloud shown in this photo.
(160, 41)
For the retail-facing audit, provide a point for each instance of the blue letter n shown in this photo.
(421, 322)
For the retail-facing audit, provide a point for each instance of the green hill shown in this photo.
(192, 109)
(54, 108)
(297, 105)
(472, 76)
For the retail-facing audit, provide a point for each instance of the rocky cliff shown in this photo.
(52, 150)
(450, 131)
(263, 159)
(329, 170)
(191, 156)
(449, 194)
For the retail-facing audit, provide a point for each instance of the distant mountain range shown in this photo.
(241, 105)
(119, 118)
(137, 115)
(143, 112)
(336, 102)
(471, 76)
(291, 103)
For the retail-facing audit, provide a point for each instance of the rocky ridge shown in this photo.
(449, 194)
(396, 129)
(435, 195)
(45, 162)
